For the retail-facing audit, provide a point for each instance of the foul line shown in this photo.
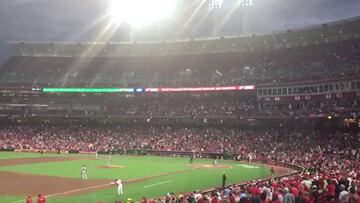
(155, 184)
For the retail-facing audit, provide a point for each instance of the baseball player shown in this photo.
(84, 172)
(215, 162)
(109, 160)
(250, 158)
(96, 155)
(119, 187)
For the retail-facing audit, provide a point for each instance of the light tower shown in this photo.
(218, 4)
(215, 4)
(245, 3)
(223, 10)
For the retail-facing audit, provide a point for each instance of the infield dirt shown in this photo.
(210, 166)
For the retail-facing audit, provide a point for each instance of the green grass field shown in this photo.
(189, 179)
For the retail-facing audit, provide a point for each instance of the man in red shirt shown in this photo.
(254, 191)
(28, 200)
(40, 199)
(330, 189)
(214, 199)
(145, 200)
(232, 198)
(275, 198)
(294, 191)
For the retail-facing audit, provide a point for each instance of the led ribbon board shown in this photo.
(141, 90)
(92, 90)
(199, 89)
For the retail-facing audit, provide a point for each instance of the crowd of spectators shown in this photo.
(237, 106)
(332, 158)
(316, 62)
(191, 106)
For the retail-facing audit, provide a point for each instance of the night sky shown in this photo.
(78, 20)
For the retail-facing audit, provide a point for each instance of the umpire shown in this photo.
(223, 179)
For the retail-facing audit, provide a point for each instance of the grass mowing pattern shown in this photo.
(136, 167)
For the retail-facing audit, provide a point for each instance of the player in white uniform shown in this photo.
(215, 162)
(109, 160)
(250, 158)
(84, 172)
(119, 187)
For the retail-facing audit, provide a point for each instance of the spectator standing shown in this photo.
(288, 197)
(40, 199)
(28, 199)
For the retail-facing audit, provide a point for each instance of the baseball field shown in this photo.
(58, 176)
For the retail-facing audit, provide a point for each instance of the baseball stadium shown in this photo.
(179, 101)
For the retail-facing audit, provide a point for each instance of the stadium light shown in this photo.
(215, 4)
(245, 3)
(140, 12)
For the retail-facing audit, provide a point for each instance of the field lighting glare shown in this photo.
(140, 12)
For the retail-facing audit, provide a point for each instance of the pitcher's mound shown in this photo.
(111, 166)
(222, 166)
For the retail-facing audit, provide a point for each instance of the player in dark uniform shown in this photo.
(223, 179)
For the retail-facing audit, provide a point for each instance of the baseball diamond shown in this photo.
(56, 176)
